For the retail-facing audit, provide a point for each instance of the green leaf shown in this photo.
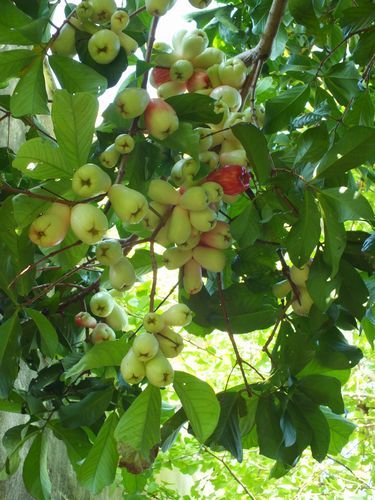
(73, 119)
(141, 261)
(99, 356)
(353, 291)
(342, 81)
(139, 427)
(340, 430)
(12, 62)
(76, 441)
(76, 77)
(30, 96)
(99, 468)
(9, 352)
(194, 108)
(322, 288)
(255, 145)
(350, 204)
(184, 140)
(41, 159)
(10, 21)
(48, 335)
(303, 13)
(88, 410)
(141, 165)
(355, 147)
(323, 390)
(334, 234)
(312, 144)
(245, 228)
(368, 325)
(335, 352)
(35, 472)
(267, 419)
(361, 112)
(282, 108)
(304, 234)
(199, 403)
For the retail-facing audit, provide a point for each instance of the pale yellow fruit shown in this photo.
(145, 346)
(170, 343)
(102, 333)
(132, 369)
(153, 322)
(178, 315)
(122, 275)
(102, 304)
(159, 371)
(88, 223)
(118, 319)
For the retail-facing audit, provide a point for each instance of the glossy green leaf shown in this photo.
(323, 390)
(303, 12)
(184, 140)
(245, 228)
(340, 431)
(12, 62)
(322, 288)
(47, 332)
(270, 435)
(342, 81)
(195, 108)
(350, 204)
(76, 441)
(353, 294)
(282, 108)
(12, 19)
(335, 352)
(35, 472)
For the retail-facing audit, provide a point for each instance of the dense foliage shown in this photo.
(308, 143)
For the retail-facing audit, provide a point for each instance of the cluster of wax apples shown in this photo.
(302, 304)
(148, 355)
(105, 23)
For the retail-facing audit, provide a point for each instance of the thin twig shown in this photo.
(138, 11)
(154, 266)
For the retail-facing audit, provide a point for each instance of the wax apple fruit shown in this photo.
(102, 304)
(88, 223)
(199, 81)
(61, 211)
(102, 333)
(200, 4)
(170, 343)
(85, 320)
(132, 102)
(208, 58)
(102, 10)
(129, 205)
(163, 192)
(124, 143)
(153, 322)
(122, 275)
(181, 70)
(178, 315)
(232, 73)
(203, 220)
(158, 76)
(299, 275)
(179, 229)
(157, 7)
(119, 20)
(192, 277)
(303, 306)
(281, 289)
(234, 179)
(219, 237)
(169, 89)
(194, 198)
(210, 258)
(127, 43)
(160, 119)
(108, 252)
(145, 346)
(90, 180)
(109, 157)
(174, 258)
(159, 371)
(47, 231)
(118, 319)
(229, 95)
(132, 369)
(64, 43)
(193, 43)
(214, 191)
(104, 46)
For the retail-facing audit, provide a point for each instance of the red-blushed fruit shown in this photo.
(163, 192)
(90, 180)
(303, 306)
(108, 252)
(214, 191)
(103, 46)
(208, 58)
(170, 343)
(128, 204)
(109, 157)
(179, 229)
(132, 369)
(181, 70)
(132, 102)
(159, 76)
(85, 320)
(169, 89)
(203, 220)
(145, 346)
(62, 211)
(219, 237)
(199, 81)
(122, 275)
(101, 304)
(194, 198)
(124, 143)
(153, 322)
(118, 319)
(47, 231)
(281, 289)
(210, 258)
(174, 258)
(159, 371)
(88, 223)
(299, 275)
(192, 277)
(160, 119)
(102, 333)
(178, 315)
(234, 179)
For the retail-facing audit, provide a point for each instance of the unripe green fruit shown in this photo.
(163, 192)
(102, 304)
(220, 108)
(210, 158)
(84, 10)
(124, 143)
(128, 43)
(178, 315)
(194, 198)
(299, 275)
(205, 138)
(157, 7)
(118, 319)
(170, 343)
(154, 215)
(132, 369)
(153, 322)
(162, 237)
(281, 289)
(177, 38)
(181, 70)
(191, 242)
(90, 180)
(169, 89)
(122, 275)
(165, 59)
(109, 157)
(193, 44)
(209, 57)
(213, 74)
(119, 20)
(174, 258)
(47, 231)
(129, 205)
(64, 44)
(302, 308)
(235, 157)
(159, 371)
(161, 119)
(102, 333)
(200, 4)
(145, 346)
(179, 229)
(229, 145)
(183, 170)
(103, 10)
(108, 252)
(232, 72)
(103, 46)
(132, 102)
(88, 223)
(229, 95)
(210, 258)
(192, 277)
(219, 237)
(204, 220)
(214, 191)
